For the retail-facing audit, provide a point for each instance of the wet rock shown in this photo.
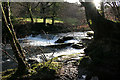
(90, 34)
(80, 43)
(86, 40)
(77, 46)
(32, 61)
(60, 45)
(63, 39)
(68, 72)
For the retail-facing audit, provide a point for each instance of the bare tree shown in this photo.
(115, 8)
(44, 6)
(29, 7)
(18, 52)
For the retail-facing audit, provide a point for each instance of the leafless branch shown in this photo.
(9, 56)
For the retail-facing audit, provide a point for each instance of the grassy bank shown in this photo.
(38, 20)
(23, 30)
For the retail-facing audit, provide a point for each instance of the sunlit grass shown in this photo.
(38, 20)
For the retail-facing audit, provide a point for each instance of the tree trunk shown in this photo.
(22, 65)
(53, 20)
(101, 26)
(102, 9)
(44, 17)
(104, 51)
(7, 11)
(44, 20)
(31, 16)
(30, 13)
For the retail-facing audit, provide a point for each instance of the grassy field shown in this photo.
(38, 20)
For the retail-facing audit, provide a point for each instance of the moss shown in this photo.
(90, 34)
(40, 71)
(7, 74)
(90, 21)
(45, 71)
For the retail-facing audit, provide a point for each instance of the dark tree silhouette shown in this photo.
(44, 6)
(103, 52)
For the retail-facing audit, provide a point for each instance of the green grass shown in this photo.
(38, 20)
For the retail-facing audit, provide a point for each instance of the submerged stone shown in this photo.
(63, 39)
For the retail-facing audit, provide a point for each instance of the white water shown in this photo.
(49, 39)
(67, 51)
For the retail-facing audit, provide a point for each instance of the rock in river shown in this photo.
(63, 39)
(77, 46)
(90, 34)
(62, 45)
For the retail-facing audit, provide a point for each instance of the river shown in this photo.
(49, 39)
(45, 40)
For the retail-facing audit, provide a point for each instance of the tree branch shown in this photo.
(9, 56)
(22, 5)
(36, 5)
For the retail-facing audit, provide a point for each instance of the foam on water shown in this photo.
(49, 39)
(40, 40)
(66, 51)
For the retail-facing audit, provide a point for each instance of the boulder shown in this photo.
(86, 40)
(63, 39)
(90, 34)
(63, 45)
(77, 46)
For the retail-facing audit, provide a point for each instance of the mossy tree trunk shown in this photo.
(30, 12)
(104, 51)
(18, 52)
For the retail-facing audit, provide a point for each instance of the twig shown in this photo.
(44, 57)
(9, 55)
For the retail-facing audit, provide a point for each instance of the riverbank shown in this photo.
(27, 29)
(63, 71)
(65, 65)
(67, 53)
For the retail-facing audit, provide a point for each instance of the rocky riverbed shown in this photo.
(68, 52)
